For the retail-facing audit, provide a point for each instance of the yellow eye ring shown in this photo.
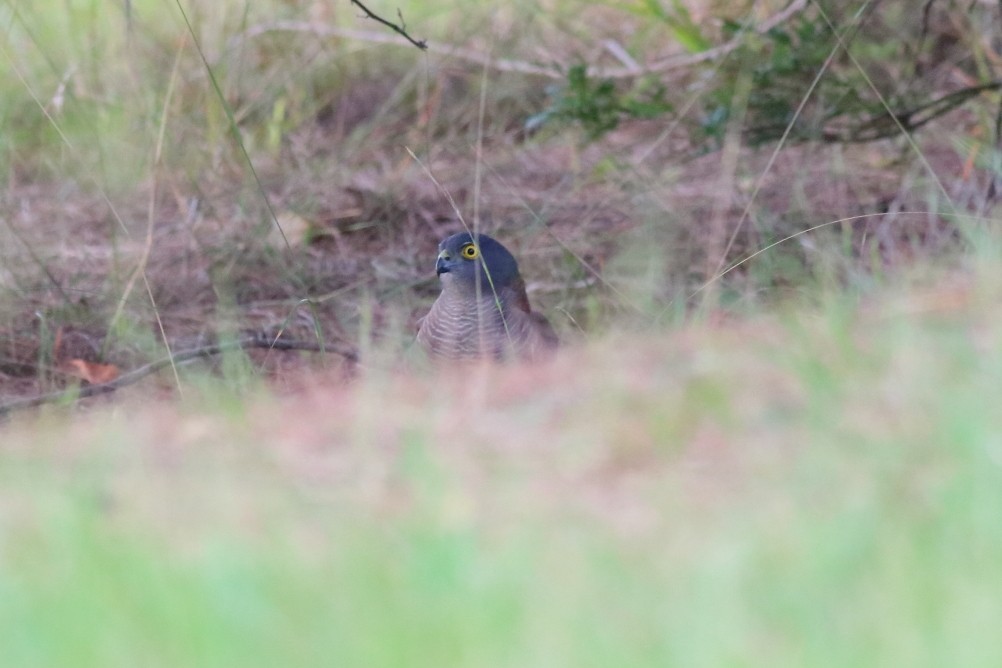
(469, 251)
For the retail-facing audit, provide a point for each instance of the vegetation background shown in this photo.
(767, 231)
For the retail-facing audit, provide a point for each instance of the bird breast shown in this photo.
(465, 327)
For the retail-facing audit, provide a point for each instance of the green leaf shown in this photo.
(685, 30)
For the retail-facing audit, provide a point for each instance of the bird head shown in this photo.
(462, 257)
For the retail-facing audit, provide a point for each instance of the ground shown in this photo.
(156, 209)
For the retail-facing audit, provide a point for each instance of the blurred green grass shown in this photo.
(816, 488)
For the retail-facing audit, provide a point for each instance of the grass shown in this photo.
(812, 488)
(794, 463)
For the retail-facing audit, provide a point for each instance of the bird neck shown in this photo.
(466, 301)
(469, 290)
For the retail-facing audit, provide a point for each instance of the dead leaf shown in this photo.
(57, 344)
(296, 229)
(91, 372)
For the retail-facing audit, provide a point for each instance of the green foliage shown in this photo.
(825, 61)
(600, 105)
(784, 63)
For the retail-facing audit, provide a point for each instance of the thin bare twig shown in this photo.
(399, 29)
(250, 341)
(889, 124)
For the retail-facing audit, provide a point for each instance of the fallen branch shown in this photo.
(913, 119)
(251, 341)
(399, 29)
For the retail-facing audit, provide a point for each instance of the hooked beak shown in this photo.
(442, 264)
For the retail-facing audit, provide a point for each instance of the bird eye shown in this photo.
(469, 251)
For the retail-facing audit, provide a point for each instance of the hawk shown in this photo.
(483, 311)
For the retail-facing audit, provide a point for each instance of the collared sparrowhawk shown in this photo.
(482, 311)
